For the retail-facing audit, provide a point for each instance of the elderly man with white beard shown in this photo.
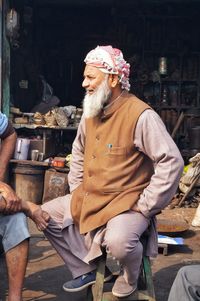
(125, 169)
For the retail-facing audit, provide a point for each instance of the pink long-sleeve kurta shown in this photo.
(151, 138)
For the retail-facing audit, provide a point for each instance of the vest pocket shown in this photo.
(113, 169)
(116, 151)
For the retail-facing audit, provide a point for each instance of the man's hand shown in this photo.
(10, 203)
(13, 202)
(136, 208)
(40, 218)
(35, 212)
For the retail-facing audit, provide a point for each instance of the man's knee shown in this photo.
(119, 245)
(17, 220)
(15, 230)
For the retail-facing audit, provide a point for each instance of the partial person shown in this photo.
(125, 169)
(186, 286)
(14, 234)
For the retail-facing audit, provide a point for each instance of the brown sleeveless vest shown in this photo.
(115, 172)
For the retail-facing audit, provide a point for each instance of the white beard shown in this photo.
(93, 104)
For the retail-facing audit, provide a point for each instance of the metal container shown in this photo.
(21, 149)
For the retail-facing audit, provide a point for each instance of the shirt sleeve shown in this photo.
(3, 123)
(152, 138)
(75, 176)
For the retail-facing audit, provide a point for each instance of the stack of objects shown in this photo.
(189, 185)
(18, 117)
(59, 117)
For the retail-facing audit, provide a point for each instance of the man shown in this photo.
(125, 168)
(15, 245)
(186, 286)
(14, 233)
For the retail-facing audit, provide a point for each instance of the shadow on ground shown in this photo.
(44, 285)
(164, 278)
(49, 283)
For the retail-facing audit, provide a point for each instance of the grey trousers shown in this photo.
(186, 286)
(121, 237)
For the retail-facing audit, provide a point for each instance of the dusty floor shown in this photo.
(46, 272)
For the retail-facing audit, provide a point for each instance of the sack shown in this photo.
(196, 219)
(184, 188)
(61, 118)
(55, 185)
(190, 175)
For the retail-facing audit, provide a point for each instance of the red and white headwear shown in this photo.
(110, 60)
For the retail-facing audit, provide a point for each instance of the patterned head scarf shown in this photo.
(110, 60)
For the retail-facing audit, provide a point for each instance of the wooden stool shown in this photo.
(145, 289)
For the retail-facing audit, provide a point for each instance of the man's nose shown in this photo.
(85, 83)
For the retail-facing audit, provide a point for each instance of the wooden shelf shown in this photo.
(38, 164)
(30, 162)
(43, 127)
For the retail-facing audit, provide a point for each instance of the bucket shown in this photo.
(21, 149)
(28, 182)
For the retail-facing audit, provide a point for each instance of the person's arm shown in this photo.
(152, 138)
(75, 177)
(31, 210)
(8, 141)
(6, 151)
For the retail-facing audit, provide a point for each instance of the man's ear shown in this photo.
(113, 80)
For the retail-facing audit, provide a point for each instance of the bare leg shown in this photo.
(16, 260)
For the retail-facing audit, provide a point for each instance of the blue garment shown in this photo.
(3, 123)
(13, 230)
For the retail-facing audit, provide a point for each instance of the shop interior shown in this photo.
(160, 39)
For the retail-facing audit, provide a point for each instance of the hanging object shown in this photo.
(162, 65)
(12, 23)
(12, 27)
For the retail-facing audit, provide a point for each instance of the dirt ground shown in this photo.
(46, 272)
